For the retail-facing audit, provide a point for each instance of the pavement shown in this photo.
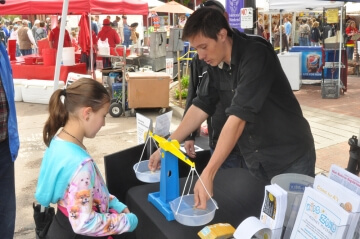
(332, 121)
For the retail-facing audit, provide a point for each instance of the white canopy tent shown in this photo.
(281, 6)
(295, 5)
(155, 3)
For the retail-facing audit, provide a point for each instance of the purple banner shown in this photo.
(233, 9)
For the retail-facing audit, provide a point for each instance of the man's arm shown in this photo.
(31, 38)
(229, 136)
(191, 121)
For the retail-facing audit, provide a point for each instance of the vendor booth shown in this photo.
(78, 7)
(326, 63)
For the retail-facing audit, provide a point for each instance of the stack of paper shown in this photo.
(349, 181)
(274, 206)
(345, 178)
(320, 217)
(342, 196)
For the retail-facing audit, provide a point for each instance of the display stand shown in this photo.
(336, 63)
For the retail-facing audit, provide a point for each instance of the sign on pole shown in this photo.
(246, 16)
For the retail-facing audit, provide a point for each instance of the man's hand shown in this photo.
(200, 194)
(154, 160)
(189, 148)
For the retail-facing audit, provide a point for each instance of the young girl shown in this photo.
(68, 174)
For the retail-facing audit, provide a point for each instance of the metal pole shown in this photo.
(252, 4)
(91, 50)
(340, 49)
(60, 44)
(280, 32)
(270, 27)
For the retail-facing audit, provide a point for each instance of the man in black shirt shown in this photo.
(199, 80)
(264, 116)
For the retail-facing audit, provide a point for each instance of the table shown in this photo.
(41, 72)
(238, 194)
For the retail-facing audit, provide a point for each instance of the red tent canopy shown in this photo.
(26, 7)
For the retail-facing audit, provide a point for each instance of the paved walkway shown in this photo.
(332, 121)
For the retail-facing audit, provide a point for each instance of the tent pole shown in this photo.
(280, 32)
(270, 27)
(91, 50)
(340, 48)
(60, 44)
(293, 26)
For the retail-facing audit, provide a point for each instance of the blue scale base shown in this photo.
(163, 207)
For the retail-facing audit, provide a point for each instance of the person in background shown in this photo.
(266, 32)
(107, 32)
(36, 26)
(3, 37)
(126, 32)
(281, 33)
(97, 21)
(120, 29)
(182, 21)
(54, 37)
(85, 53)
(26, 39)
(260, 27)
(297, 28)
(75, 183)
(115, 23)
(74, 41)
(17, 21)
(264, 117)
(9, 147)
(94, 26)
(321, 25)
(5, 29)
(40, 32)
(350, 31)
(287, 26)
(304, 32)
(48, 25)
(134, 37)
(315, 35)
(14, 36)
(11, 28)
(200, 76)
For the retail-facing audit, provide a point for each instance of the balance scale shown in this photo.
(169, 175)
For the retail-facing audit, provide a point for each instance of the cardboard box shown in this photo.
(148, 89)
(217, 231)
(38, 91)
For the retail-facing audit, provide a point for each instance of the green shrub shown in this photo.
(184, 88)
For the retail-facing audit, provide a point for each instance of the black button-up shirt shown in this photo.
(256, 89)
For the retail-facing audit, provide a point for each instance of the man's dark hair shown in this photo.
(214, 4)
(206, 21)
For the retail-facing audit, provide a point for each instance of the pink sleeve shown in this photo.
(87, 203)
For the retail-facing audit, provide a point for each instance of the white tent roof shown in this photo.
(294, 5)
(352, 8)
(155, 3)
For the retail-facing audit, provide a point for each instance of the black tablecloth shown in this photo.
(238, 194)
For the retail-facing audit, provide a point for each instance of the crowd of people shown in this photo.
(27, 34)
(308, 31)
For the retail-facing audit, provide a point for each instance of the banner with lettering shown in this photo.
(233, 9)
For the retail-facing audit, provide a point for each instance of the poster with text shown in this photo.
(233, 9)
